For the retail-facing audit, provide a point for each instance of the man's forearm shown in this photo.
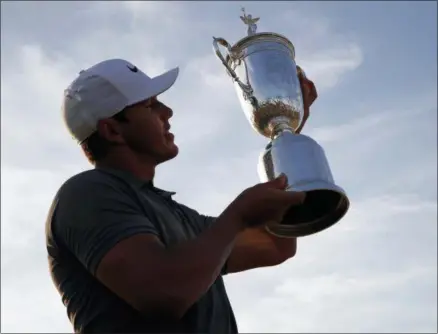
(256, 248)
(197, 263)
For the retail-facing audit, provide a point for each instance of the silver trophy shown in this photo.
(262, 66)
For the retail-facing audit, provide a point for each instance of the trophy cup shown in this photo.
(262, 66)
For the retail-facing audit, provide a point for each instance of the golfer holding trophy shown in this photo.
(123, 254)
(262, 67)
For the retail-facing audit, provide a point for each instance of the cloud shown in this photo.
(24, 201)
(325, 54)
(357, 276)
(328, 67)
(379, 122)
(316, 304)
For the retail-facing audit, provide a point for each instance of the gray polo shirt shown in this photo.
(90, 214)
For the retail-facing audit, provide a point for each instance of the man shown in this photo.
(125, 256)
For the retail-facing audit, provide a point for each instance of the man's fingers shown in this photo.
(296, 197)
(307, 88)
(280, 182)
(290, 197)
(313, 94)
(309, 91)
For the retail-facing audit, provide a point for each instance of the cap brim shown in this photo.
(164, 81)
(155, 86)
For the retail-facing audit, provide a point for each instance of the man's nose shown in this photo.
(166, 111)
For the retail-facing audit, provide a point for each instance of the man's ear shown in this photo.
(110, 130)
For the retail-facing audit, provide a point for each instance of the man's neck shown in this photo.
(144, 170)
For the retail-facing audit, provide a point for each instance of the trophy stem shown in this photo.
(278, 125)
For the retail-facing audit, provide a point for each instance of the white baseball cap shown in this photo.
(104, 90)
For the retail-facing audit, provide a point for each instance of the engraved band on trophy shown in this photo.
(262, 66)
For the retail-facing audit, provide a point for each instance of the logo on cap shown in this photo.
(132, 68)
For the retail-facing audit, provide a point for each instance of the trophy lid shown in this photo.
(254, 37)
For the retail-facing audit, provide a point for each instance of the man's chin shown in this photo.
(174, 150)
(171, 152)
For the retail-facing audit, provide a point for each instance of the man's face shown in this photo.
(147, 131)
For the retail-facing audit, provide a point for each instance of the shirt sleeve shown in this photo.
(93, 215)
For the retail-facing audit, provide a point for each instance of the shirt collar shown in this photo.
(135, 181)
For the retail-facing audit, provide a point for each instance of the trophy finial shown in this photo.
(250, 22)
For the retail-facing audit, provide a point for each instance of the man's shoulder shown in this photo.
(73, 193)
(89, 176)
(88, 194)
(89, 180)
(90, 191)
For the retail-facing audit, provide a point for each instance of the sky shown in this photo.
(375, 67)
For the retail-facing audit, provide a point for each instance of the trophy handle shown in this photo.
(247, 90)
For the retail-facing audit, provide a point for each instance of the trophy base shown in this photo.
(325, 204)
(304, 163)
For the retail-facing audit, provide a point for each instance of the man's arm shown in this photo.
(104, 227)
(255, 248)
(168, 281)
(107, 231)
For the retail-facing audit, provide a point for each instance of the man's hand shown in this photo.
(309, 96)
(264, 202)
